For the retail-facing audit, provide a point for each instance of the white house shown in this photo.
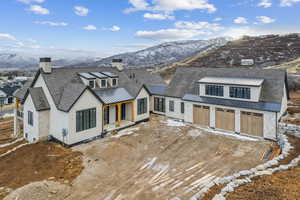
(73, 105)
(239, 100)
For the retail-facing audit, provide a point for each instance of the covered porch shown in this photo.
(118, 115)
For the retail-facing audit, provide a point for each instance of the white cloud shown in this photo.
(218, 19)
(31, 1)
(237, 32)
(265, 3)
(240, 20)
(287, 3)
(265, 19)
(170, 34)
(158, 16)
(115, 28)
(51, 23)
(31, 40)
(171, 5)
(22, 45)
(198, 25)
(90, 28)
(81, 11)
(39, 10)
(7, 36)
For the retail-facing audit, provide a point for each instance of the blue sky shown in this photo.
(105, 27)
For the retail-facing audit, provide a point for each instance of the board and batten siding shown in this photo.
(142, 94)
(177, 108)
(269, 118)
(86, 101)
(284, 102)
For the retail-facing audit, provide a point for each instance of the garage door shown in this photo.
(201, 115)
(225, 119)
(252, 123)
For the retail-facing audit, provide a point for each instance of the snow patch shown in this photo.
(174, 123)
(126, 132)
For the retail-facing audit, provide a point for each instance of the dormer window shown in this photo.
(214, 90)
(114, 82)
(103, 83)
(240, 92)
(92, 83)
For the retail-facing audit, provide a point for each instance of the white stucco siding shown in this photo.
(55, 126)
(31, 132)
(143, 94)
(86, 101)
(269, 119)
(44, 124)
(254, 92)
(177, 108)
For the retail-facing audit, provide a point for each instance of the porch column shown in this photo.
(16, 121)
(119, 114)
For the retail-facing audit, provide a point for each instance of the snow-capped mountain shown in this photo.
(22, 60)
(163, 54)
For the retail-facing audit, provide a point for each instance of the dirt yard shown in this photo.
(160, 160)
(37, 162)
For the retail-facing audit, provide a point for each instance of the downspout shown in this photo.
(276, 127)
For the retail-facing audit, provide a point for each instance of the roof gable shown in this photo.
(186, 79)
(39, 99)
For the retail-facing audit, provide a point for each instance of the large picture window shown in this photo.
(142, 106)
(30, 118)
(240, 92)
(214, 90)
(85, 119)
(159, 104)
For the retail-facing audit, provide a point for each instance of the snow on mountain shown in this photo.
(163, 54)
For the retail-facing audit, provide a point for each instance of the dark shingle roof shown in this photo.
(185, 80)
(39, 99)
(66, 86)
(144, 77)
(157, 89)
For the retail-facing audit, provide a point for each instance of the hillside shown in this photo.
(163, 54)
(262, 51)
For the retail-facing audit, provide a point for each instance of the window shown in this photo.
(240, 92)
(142, 106)
(214, 90)
(114, 82)
(85, 119)
(171, 106)
(30, 118)
(103, 83)
(182, 107)
(92, 83)
(159, 104)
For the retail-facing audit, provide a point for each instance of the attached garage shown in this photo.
(201, 115)
(225, 119)
(252, 123)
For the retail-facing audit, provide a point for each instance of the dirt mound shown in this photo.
(46, 190)
(37, 162)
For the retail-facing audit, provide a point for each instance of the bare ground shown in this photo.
(158, 161)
